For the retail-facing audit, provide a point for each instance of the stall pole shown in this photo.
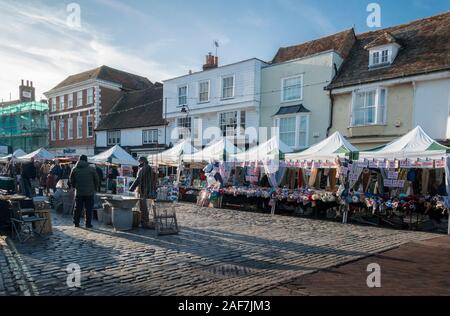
(345, 216)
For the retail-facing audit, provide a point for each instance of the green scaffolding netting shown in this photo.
(23, 119)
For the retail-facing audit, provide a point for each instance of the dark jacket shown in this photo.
(56, 171)
(144, 181)
(29, 171)
(84, 179)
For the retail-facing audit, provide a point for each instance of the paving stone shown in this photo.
(263, 250)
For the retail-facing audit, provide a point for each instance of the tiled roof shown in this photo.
(143, 108)
(340, 42)
(292, 110)
(127, 80)
(384, 39)
(425, 48)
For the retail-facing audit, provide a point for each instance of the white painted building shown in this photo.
(218, 101)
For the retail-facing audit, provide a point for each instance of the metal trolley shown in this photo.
(165, 217)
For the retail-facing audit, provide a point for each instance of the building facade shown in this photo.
(394, 80)
(135, 123)
(293, 96)
(215, 102)
(24, 122)
(78, 103)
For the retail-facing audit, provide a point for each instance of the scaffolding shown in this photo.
(24, 125)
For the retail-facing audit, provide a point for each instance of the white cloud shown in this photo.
(36, 44)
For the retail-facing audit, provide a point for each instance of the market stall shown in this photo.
(192, 177)
(406, 180)
(15, 155)
(113, 158)
(41, 154)
(172, 156)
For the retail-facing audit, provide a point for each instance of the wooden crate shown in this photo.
(45, 228)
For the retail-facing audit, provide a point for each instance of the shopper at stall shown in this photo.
(54, 175)
(112, 176)
(84, 179)
(28, 173)
(144, 182)
(43, 175)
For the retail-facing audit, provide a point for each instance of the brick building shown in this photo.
(77, 104)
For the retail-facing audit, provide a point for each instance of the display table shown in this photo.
(122, 210)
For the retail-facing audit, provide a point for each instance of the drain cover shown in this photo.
(228, 270)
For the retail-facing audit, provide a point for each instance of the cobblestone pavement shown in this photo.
(413, 269)
(218, 252)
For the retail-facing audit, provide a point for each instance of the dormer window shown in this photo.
(382, 50)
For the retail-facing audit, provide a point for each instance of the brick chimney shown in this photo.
(27, 92)
(211, 62)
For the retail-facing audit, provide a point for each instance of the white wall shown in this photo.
(432, 107)
(129, 137)
(247, 87)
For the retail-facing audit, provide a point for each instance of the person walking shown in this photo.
(54, 175)
(144, 183)
(84, 179)
(29, 172)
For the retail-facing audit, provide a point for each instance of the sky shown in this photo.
(160, 39)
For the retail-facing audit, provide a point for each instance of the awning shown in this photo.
(116, 155)
(335, 146)
(172, 156)
(414, 145)
(218, 151)
(273, 149)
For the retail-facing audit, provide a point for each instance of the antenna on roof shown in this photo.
(216, 45)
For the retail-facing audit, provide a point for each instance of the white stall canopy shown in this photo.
(41, 154)
(273, 149)
(335, 146)
(116, 155)
(172, 156)
(17, 154)
(218, 151)
(414, 145)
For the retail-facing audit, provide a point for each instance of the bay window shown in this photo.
(54, 104)
(293, 130)
(369, 107)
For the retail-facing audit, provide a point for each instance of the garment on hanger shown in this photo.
(425, 181)
(332, 179)
(313, 177)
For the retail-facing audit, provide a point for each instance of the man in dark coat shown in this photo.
(144, 182)
(29, 172)
(84, 179)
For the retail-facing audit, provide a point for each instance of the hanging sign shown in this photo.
(394, 183)
(373, 164)
(438, 164)
(391, 164)
(362, 164)
(406, 164)
(392, 175)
